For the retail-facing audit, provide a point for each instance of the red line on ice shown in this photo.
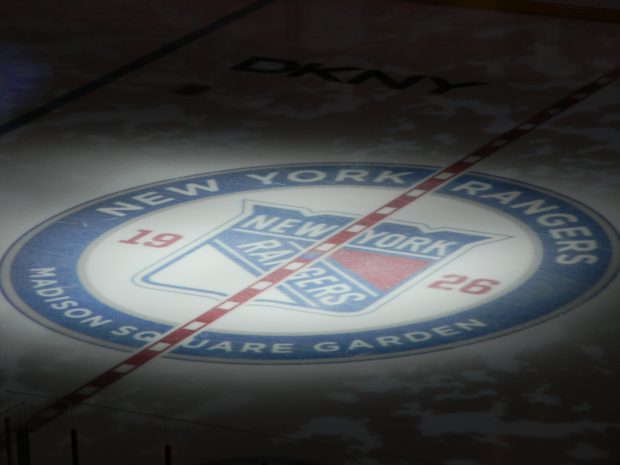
(173, 338)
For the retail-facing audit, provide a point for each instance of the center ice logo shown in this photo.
(381, 261)
(108, 272)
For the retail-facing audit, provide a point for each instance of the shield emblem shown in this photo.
(354, 279)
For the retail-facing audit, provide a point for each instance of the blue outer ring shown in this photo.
(552, 288)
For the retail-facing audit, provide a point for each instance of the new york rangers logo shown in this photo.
(480, 256)
(351, 280)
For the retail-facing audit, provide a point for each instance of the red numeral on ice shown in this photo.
(149, 238)
(451, 282)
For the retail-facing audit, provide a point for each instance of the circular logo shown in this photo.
(479, 257)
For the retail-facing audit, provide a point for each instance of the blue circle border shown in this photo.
(552, 288)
